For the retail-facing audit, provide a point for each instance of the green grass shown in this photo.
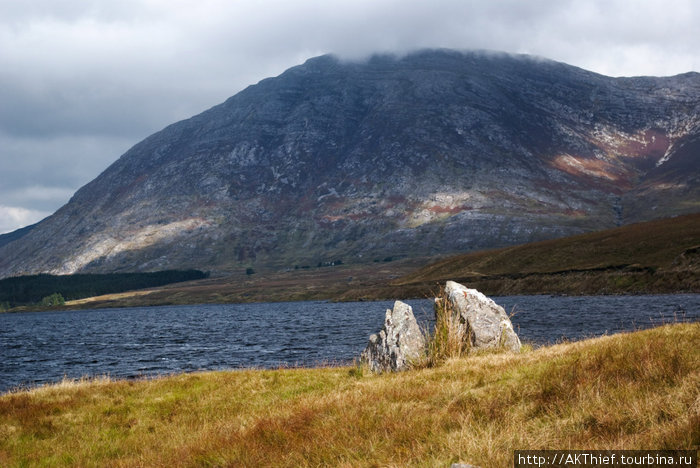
(629, 391)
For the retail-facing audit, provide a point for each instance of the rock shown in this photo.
(398, 344)
(463, 465)
(487, 322)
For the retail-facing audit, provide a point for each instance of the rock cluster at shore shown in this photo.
(400, 343)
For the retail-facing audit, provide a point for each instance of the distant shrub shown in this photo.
(55, 299)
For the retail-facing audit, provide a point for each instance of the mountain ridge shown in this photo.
(434, 152)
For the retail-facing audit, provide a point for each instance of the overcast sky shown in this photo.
(81, 81)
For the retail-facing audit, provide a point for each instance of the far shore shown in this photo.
(656, 257)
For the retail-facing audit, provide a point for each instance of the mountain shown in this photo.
(434, 152)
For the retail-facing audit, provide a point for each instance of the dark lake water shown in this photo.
(43, 347)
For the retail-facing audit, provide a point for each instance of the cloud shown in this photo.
(83, 80)
(38, 195)
(41, 174)
(14, 217)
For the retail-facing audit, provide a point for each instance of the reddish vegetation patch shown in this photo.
(396, 199)
(335, 204)
(574, 213)
(647, 147)
(352, 216)
(654, 146)
(306, 203)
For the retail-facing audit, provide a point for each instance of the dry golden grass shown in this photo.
(628, 391)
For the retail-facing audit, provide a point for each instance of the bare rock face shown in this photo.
(398, 343)
(487, 322)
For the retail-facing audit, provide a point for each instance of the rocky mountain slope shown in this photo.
(435, 152)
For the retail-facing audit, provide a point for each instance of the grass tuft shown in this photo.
(450, 337)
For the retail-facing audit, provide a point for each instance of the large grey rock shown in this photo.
(398, 344)
(487, 323)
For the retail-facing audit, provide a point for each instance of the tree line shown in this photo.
(32, 289)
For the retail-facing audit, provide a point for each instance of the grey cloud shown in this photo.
(20, 13)
(93, 106)
(42, 174)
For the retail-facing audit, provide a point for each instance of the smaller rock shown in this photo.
(398, 344)
(463, 465)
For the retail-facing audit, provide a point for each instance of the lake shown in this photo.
(43, 347)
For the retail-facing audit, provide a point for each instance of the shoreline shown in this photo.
(348, 365)
(633, 390)
(189, 295)
(655, 257)
(87, 304)
(533, 321)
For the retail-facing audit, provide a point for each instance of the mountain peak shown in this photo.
(432, 152)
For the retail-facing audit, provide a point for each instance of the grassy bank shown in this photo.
(264, 286)
(660, 256)
(627, 391)
(655, 257)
